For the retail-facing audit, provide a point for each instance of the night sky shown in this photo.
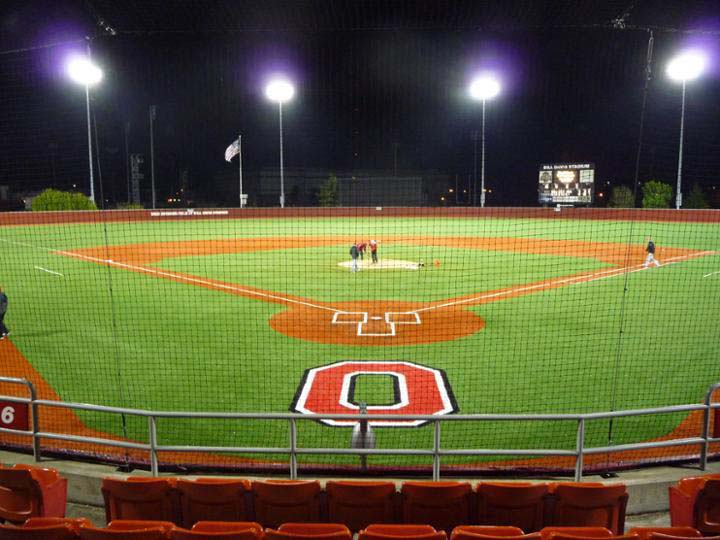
(373, 79)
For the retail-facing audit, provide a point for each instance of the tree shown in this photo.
(622, 197)
(656, 194)
(328, 192)
(696, 198)
(55, 200)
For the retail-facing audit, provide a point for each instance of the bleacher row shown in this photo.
(286, 510)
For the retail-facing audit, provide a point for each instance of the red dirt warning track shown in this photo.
(374, 323)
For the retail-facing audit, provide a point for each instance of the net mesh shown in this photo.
(214, 308)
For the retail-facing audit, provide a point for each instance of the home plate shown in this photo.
(384, 264)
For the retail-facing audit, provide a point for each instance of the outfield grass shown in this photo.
(110, 336)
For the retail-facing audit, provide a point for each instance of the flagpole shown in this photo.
(240, 168)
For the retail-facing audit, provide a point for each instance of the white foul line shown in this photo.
(48, 271)
(711, 274)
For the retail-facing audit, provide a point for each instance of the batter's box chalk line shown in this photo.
(363, 320)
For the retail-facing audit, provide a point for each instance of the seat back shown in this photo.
(46, 532)
(75, 523)
(285, 501)
(580, 505)
(20, 496)
(707, 508)
(140, 524)
(519, 504)
(444, 505)
(645, 532)
(581, 537)
(184, 534)
(212, 500)
(358, 504)
(227, 526)
(365, 535)
(400, 529)
(548, 533)
(314, 528)
(92, 533)
(468, 532)
(146, 499)
(273, 534)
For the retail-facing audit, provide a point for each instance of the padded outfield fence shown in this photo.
(483, 340)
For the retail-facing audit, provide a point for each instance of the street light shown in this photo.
(280, 91)
(684, 67)
(482, 88)
(81, 70)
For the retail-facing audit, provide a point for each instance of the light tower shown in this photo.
(482, 88)
(280, 91)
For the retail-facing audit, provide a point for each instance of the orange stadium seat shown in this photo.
(62, 531)
(470, 532)
(645, 532)
(227, 526)
(590, 505)
(76, 523)
(366, 535)
(444, 505)
(548, 533)
(582, 537)
(139, 524)
(93, 533)
(399, 529)
(185, 534)
(212, 499)
(139, 498)
(520, 504)
(695, 502)
(358, 504)
(27, 492)
(661, 536)
(286, 501)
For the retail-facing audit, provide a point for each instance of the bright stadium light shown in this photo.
(685, 67)
(81, 70)
(482, 88)
(280, 91)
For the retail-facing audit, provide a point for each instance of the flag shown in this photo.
(232, 150)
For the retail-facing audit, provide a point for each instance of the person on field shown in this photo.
(650, 259)
(4, 332)
(354, 256)
(373, 250)
(361, 249)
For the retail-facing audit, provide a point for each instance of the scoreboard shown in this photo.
(566, 183)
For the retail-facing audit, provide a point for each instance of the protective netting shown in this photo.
(505, 309)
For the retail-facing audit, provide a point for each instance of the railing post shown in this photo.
(152, 437)
(293, 449)
(35, 421)
(705, 449)
(579, 449)
(436, 451)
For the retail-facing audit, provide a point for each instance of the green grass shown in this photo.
(115, 337)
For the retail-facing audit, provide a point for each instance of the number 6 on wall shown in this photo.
(14, 416)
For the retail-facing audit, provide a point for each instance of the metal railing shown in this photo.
(436, 452)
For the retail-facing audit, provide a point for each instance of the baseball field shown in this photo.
(507, 314)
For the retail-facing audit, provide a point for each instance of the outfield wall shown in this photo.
(469, 311)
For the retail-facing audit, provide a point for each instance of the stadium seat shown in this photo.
(399, 529)
(212, 499)
(311, 533)
(227, 526)
(582, 537)
(286, 501)
(76, 523)
(645, 532)
(61, 531)
(444, 505)
(139, 524)
(93, 533)
(314, 528)
(139, 498)
(548, 533)
(588, 505)
(27, 492)
(358, 504)
(521, 504)
(695, 502)
(470, 532)
(365, 535)
(185, 534)
(661, 536)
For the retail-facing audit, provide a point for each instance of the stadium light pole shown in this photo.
(280, 91)
(685, 67)
(483, 88)
(82, 71)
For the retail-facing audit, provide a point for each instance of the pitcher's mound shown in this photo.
(384, 264)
